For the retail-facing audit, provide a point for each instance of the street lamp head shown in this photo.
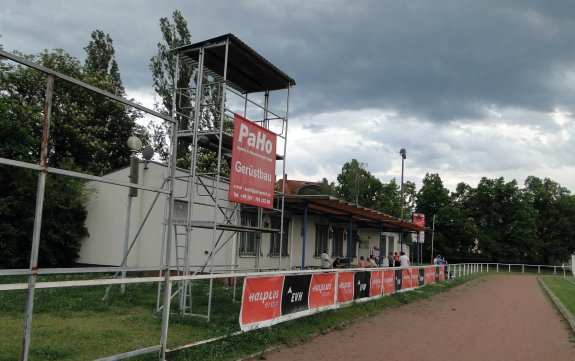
(403, 153)
(135, 144)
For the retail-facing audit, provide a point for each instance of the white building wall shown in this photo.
(107, 216)
(106, 222)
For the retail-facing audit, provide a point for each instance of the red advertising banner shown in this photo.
(376, 287)
(322, 290)
(406, 278)
(345, 287)
(388, 281)
(427, 277)
(261, 301)
(441, 273)
(252, 173)
(414, 277)
(431, 274)
(270, 300)
(419, 219)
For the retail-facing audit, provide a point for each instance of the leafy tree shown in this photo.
(327, 188)
(390, 199)
(357, 185)
(409, 195)
(505, 223)
(100, 60)
(455, 232)
(176, 34)
(163, 67)
(555, 214)
(432, 197)
(86, 130)
(87, 133)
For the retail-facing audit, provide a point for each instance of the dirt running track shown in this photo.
(496, 318)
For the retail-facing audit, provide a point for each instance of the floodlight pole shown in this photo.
(432, 234)
(403, 154)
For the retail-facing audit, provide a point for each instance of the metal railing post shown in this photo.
(38, 217)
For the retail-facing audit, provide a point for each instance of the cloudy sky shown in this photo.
(471, 88)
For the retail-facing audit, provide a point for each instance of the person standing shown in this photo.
(375, 254)
(390, 260)
(438, 260)
(372, 263)
(435, 260)
(396, 262)
(325, 264)
(404, 260)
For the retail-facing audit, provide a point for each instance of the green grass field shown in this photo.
(564, 289)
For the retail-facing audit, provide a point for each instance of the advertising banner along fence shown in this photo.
(274, 299)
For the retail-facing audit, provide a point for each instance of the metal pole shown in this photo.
(219, 165)
(417, 247)
(421, 253)
(402, 200)
(126, 241)
(282, 225)
(171, 186)
(291, 226)
(304, 238)
(349, 243)
(432, 235)
(38, 218)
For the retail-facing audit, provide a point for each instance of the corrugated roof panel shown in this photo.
(247, 69)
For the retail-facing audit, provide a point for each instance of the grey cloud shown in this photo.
(426, 66)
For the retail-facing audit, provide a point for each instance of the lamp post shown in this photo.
(403, 154)
(135, 144)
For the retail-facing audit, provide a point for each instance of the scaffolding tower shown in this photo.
(227, 78)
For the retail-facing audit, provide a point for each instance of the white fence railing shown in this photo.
(464, 269)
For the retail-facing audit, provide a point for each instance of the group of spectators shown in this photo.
(398, 260)
(438, 260)
(394, 260)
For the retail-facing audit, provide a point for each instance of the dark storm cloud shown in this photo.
(437, 60)
(470, 88)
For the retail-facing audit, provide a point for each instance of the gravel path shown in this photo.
(494, 318)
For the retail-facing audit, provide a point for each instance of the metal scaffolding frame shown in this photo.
(226, 71)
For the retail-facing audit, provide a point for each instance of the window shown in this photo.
(248, 245)
(337, 250)
(320, 239)
(390, 244)
(354, 242)
(275, 238)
